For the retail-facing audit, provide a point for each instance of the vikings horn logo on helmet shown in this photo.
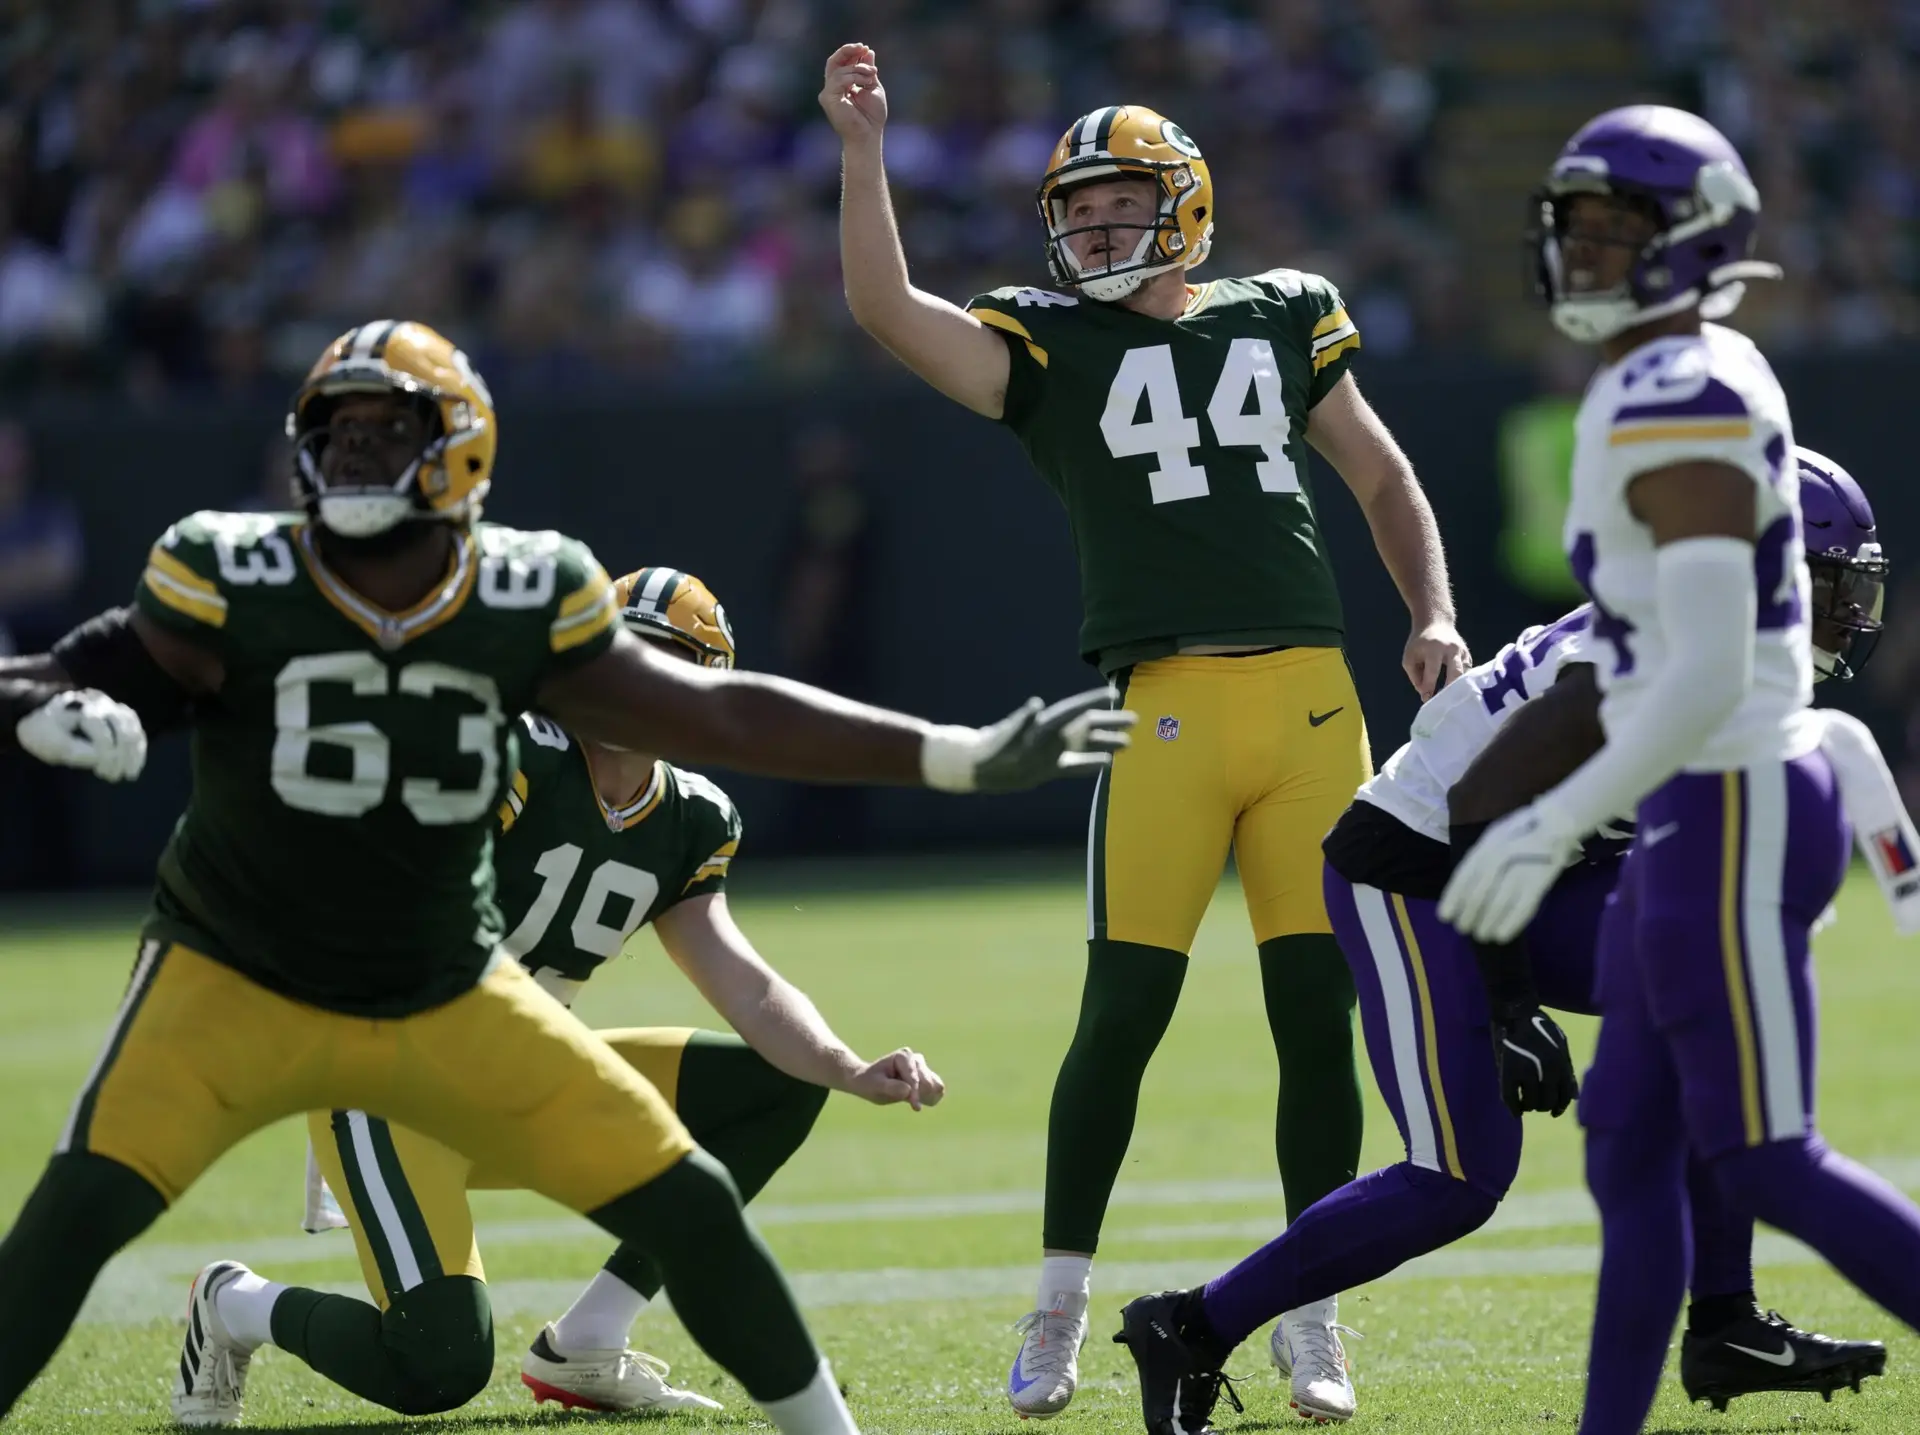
(450, 476)
(675, 607)
(1128, 142)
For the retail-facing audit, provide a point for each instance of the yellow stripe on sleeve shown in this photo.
(994, 319)
(1333, 351)
(516, 802)
(1668, 430)
(181, 589)
(1428, 1037)
(1336, 320)
(716, 865)
(585, 613)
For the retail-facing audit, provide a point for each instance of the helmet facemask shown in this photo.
(1849, 595)
(1160, 246)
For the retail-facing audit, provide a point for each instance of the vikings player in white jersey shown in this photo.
(1457, 1031)
(1684, 527)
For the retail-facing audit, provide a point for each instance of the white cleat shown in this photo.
(1307, 1351)
(603, 1379)
(211, 1382)
(1046, 1369)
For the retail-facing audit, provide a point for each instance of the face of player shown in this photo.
(371, 438)
(1111, 215)
(1600, 237)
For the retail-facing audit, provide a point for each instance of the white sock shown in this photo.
(1066, 1284)
(816, 1410)
(602, 1317)
(245, 1304)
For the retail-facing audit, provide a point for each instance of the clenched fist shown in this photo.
(853, 97)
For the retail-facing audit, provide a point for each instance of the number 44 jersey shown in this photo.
(579, 875)
(1179, 449)
(337, 846)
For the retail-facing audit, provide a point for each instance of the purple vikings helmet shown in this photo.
(1848, 570)
(1700, 195)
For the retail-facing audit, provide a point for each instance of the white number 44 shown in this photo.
(1167, 433)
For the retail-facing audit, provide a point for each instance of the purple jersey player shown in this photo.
(1459, 1041)
(1684, 527)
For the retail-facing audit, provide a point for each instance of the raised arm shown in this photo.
(939, 341)
(775, 1017)
(631, 697)
(1351, 437)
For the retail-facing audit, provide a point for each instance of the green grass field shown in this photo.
(913, 1238)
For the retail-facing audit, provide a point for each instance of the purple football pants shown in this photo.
(1429, 1036)
(1706, 1053)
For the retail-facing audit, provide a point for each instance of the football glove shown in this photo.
(1536, 1069)
(87, 729)
(1029, 746)
(1502, 880)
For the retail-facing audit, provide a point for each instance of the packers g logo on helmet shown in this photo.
(676, 607)
(1129, 142)
(450, 476)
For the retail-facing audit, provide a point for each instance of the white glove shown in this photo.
(86, 728)
(1504, 877)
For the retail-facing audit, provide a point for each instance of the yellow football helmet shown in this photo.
(676, 607)
(449, 477)
(1129, 142)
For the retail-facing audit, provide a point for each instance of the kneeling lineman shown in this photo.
(595, 842)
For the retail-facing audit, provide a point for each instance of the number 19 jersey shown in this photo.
(337, 846)
(1179, 449)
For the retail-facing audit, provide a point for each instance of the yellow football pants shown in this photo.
(200, 1057)
(1259, 753)
(405, 1195)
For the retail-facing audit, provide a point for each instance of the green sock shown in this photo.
(84, 1209)
(1316, 1127)
(724, 1283)
(746, 1113)
(1129, 997)
(430, 1351)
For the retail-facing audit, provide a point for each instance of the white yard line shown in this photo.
(148, 1282)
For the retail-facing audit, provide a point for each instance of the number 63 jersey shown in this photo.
(337, 846)
(1708, 397)
(1179, 449)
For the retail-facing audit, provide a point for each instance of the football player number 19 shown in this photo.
(1169, 435)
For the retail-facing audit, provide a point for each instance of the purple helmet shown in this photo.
(1705, 204)
(1848, 570)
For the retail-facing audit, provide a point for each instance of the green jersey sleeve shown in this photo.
(558, 576)
(194, 567)
(1326, 330)
(1020, 316)
(712, 838)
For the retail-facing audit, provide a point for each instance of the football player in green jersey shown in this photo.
(324, 932)
(1173, 423)
(596, 842)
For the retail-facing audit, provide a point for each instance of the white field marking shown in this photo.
(146, 1283)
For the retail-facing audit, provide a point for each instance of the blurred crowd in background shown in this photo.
(198, 193)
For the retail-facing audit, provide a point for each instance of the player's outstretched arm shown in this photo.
(939, 341)
(1351, 437)
(631, 697)
(775, 1017)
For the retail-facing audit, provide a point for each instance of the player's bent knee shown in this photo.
(692, 1202)
(1462, 1205)
(441, 1335)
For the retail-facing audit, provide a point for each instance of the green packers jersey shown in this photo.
(578, 876)
(1179, 449)
(338, 845)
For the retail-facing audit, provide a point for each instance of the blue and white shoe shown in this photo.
(1046, 1370)
(1307, 1351)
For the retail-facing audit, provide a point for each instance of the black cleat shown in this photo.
(1180, 1379)
(1761, 1353)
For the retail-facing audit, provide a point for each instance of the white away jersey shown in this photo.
(1454, 726)
(1690, 398)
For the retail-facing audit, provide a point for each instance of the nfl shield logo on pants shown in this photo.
(1169, 728)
